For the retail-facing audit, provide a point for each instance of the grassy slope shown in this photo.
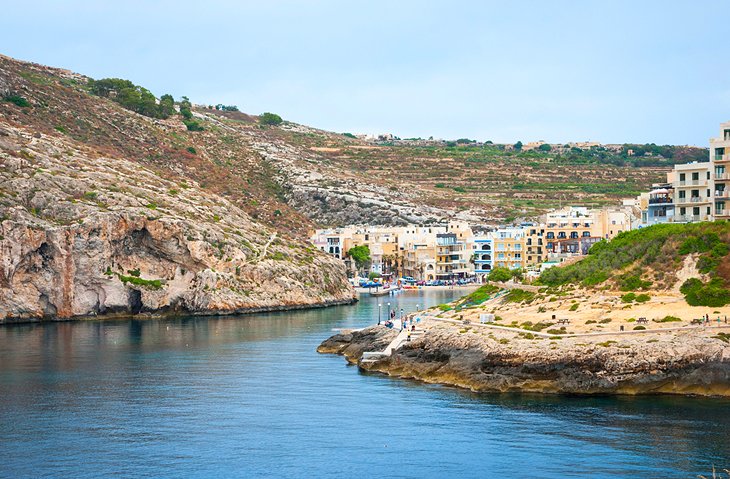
(650, 258)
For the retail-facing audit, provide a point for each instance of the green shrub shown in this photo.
(639, 328)
(628, 298)
(724, 337)
(500, 274)
(574, 307)
(17, 100)
(519, 296)
(270, 119)
(193, 125)
(91, 195)
(192, 150)
(605, 321)
(591, 321)
(667, 319)
(712, 294)
(642, 298)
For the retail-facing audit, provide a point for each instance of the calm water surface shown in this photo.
(249, 397)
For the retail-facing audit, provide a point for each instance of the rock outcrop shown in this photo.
(683, 363)
(82, 234)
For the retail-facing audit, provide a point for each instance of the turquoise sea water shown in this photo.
(248, 396)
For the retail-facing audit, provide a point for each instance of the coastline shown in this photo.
(177, 313)
(687, 362)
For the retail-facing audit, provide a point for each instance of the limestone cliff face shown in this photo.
(686, 363)
(82, 234)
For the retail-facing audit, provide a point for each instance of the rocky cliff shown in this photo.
(682, 363)
(83, 234)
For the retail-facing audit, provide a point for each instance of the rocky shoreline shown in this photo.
(486, 360)
(124, 315)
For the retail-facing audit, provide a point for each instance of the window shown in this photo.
(696, 211)
(683, 211)
(682, 177)
(586, 234)
(518, 255)
(682, 194)
(695, 176)
(708, 175)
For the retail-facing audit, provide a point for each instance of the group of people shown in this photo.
(406, 323)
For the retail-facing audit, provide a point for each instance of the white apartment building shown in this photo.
(720, 160)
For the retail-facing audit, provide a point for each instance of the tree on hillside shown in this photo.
(500, 274)
(518, 146)
(360, 255)
(167, 106)
(270, 119)
(545, 147)
(186, 108)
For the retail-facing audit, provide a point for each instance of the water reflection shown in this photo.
(248, 396)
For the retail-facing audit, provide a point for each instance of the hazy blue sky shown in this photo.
(610, 71)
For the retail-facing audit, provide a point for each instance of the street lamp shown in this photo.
(388, 311)
(379, 305)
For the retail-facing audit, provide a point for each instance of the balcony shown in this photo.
(689, 218)
(722, 176)
(722, 194)
(722, 158)
(693, 182)
(661, 200)
(722, 212)
(693, 200)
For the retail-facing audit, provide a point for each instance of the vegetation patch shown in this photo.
(667, 319)
(629, 258)
(476, 297)
(17, 100)
(519, 296)
(712, 293)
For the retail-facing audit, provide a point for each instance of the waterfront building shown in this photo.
(720, 161)
(693, 198)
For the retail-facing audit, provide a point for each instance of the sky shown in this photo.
(610, 71)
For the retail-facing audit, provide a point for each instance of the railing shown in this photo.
(659, 201)
(722, 194)
(696, 199)
(689, 218)
(722, 212)
(722, 158)
(722, 176)
(692, 182)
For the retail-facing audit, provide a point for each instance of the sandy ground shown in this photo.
(595, 312)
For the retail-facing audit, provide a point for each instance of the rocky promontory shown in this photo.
(490, 360)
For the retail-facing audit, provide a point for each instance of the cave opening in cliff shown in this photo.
(135, 301)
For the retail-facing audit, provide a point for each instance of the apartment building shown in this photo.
(454, 251)
(720, 161)
(509, 247)
(693, 197)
